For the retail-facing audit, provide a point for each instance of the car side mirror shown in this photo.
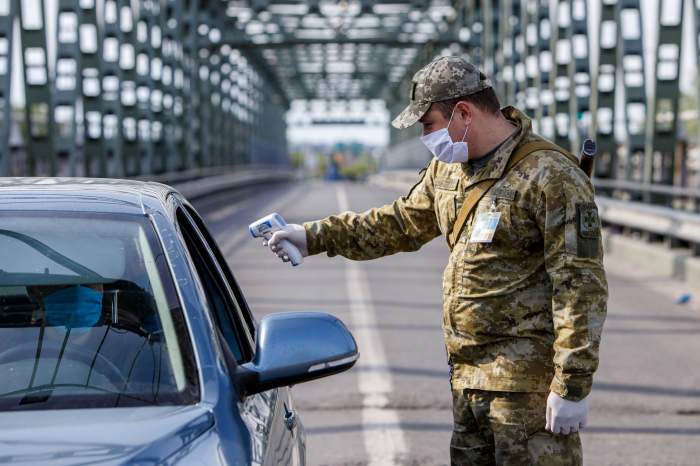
(295, 347)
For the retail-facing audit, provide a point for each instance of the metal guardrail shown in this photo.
(186, 175)
(662, 221)
(677, 220)
(199, 183)
(669, 193)
(215, 184)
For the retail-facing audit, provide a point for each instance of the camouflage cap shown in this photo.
(442, 79)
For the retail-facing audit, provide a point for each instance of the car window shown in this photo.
(219, 258)
(89, 315)
(219, 296)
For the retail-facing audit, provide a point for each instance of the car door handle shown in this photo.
(290, 418)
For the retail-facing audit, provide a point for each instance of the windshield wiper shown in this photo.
(42, 393)
(38, 397)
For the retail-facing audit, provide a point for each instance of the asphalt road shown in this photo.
(394, 406)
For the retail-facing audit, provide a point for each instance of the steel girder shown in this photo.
(604, 122)
(537, 52)
(39, 119)
(66, 85)
(163, 85)
(340, 50)
(134, 88)
(7, 14)
(89, 80)
(633, 69)
(660, 167)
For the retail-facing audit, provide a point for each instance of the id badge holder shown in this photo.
(485, 226)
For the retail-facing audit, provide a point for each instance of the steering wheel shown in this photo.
(75, 353)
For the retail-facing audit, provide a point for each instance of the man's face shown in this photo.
(434, 120)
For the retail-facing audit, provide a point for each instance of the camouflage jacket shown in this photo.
(524, 312)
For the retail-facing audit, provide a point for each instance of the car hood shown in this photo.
(99, 436)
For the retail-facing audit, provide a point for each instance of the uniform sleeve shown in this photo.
(568, 219)
(404, 225)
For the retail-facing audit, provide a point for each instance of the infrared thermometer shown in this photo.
(266, 226)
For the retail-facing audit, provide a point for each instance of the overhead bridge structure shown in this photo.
(139, 87)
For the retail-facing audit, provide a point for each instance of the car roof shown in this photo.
(107, 195)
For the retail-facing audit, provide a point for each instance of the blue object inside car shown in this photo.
(73, 307)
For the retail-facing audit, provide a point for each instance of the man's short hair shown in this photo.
(485, 99)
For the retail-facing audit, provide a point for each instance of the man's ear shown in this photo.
(465, 111)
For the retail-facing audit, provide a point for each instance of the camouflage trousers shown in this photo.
(507, 429)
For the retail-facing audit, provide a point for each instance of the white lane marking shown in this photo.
(228, 243)
(384, 446)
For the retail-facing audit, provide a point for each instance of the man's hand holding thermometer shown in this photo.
(288, 241)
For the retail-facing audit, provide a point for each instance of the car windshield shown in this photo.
(89, 316)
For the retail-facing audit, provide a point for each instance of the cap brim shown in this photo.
(411, 114)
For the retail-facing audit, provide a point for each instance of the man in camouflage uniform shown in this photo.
(523, 310)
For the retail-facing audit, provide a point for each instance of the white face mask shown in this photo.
(440, 144)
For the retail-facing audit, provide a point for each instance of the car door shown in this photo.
(270, 417)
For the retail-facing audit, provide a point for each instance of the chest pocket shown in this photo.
(448, 200)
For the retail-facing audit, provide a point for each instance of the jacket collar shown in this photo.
(496, 166)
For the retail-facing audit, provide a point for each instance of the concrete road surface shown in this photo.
(394, 406)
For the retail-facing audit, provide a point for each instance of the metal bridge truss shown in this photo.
(151, 86)
(146, 87)
(538, 52)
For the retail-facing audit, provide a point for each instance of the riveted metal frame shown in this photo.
(561, 77)
(7, 18)
(128, 125)
(603, 124)
(41, 157)
(94, 162)
(146, 19)
(112, 41)
(162, 145)
(167, 85)
(661, 165)
(544, 115)
(475, 22)
(580, 72)
(632, 63)
(532, 54)
(188, 120)
(501, 34)
(66, 84)
(518, 54)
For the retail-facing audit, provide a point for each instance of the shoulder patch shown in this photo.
(446, 183)
(588, 221)
(587, 229)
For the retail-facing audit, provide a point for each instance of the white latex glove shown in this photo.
(564, 416)
(295, 234)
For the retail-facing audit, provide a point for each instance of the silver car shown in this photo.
(124, 338)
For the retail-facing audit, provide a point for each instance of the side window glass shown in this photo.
(222, 308)
(240, 300)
